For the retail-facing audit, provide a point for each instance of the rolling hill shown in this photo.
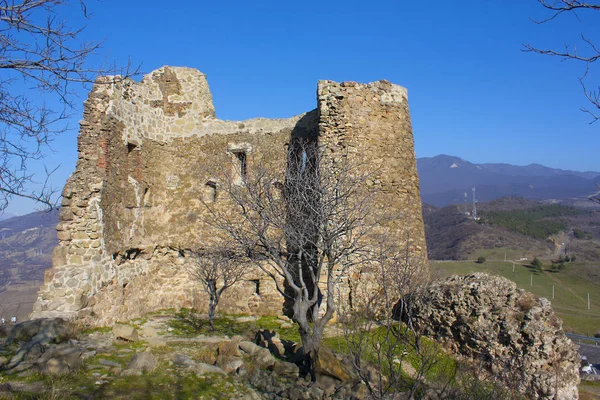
(445, 180)
(523, 227)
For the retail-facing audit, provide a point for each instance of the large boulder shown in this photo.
(327, 363)
(42, 330)
(34, 337)
(515, 335)
(142, 361)
(125, 332)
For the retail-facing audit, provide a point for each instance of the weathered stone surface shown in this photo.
(264, 358)
(183, 361)
(56, 366)
(143, 361)
(41, 330)
(249, 347)
(36, 335)
(515, 335)
(203, 369)
(229, 348)
(150, 154)
(125, 332)
(287, 369)
(328, 364)
(108, 363)
(229, 364)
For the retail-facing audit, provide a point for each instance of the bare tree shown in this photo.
(587, 55)
(305, 233)
(43, 61)
(217, 271)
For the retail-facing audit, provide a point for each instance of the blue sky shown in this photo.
(472, 92)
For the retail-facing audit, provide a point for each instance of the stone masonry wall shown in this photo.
(151, 152)
(370, 125)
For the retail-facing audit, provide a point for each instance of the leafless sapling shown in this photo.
(378, 344)
(217, 270)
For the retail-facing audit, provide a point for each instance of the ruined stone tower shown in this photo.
(148, 157)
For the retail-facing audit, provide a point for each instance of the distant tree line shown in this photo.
(538, 222)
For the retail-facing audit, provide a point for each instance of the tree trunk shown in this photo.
(310, 349)
(212, 306)
(211, 318)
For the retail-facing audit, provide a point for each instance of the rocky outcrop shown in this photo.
(42, 345)
(513, 334)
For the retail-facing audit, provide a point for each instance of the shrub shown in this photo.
(480, 260)
(537, 264)
(557, 266)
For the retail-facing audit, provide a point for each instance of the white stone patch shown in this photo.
(397, 94)
(455, 165)
(393, 97)
(172, 182)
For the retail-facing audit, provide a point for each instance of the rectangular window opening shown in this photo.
(242, 166)
(210, 192)
(256, 283)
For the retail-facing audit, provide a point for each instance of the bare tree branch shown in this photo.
(589, 55)
(43, 62)
(217, 270)
(306, 233)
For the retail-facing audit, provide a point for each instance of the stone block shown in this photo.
(59, 258)
(125, 332)
(81, 235)
(63, 235)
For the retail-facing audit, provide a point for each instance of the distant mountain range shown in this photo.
(445, 180)
(6, 216)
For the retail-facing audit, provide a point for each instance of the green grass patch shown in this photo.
(274, 324)
(166, 383)
(187, 323)
(163, 383)
(498, 254)
(396, 344)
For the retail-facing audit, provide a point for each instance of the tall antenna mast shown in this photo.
(474, 206)
(466, 202)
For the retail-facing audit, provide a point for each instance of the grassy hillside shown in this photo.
(571, 286)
